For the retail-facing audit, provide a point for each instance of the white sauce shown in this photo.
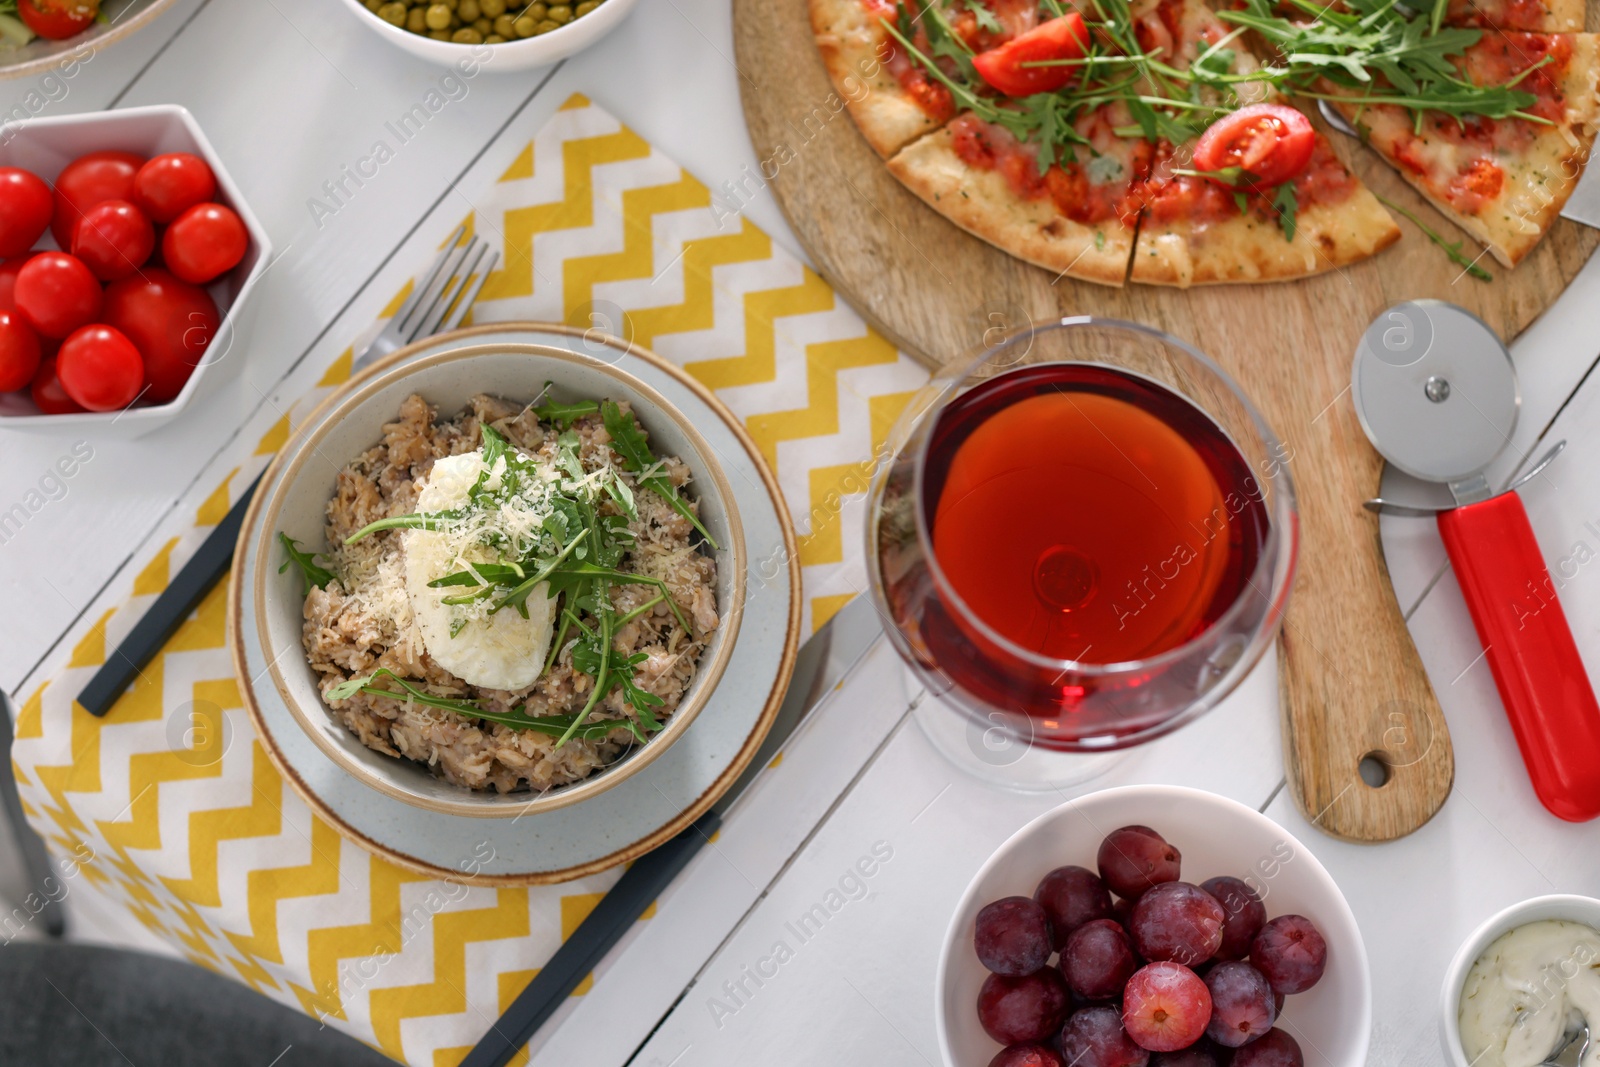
(1530, 988)
(498, 651)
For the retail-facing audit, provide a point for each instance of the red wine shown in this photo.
(1077, 512)
(1079, 517)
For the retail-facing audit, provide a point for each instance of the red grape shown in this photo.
(1200, 1054)
(1246, 915)
(1290, 951)
(1012, 936)
(1094, 1037)
(1177, 921)
(1135, 858)
(1029, 1055)
(1072, 896)
(1273, 1049)
(1241, 1004)
(1166, 1007)
(1029, 1008)
(1098, 960)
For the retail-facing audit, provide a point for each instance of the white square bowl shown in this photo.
(45, 146)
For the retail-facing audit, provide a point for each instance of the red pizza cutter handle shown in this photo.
(1535, 662)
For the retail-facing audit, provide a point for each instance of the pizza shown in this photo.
(1168, 142)
(1503, 181)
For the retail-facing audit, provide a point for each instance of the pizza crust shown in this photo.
(1248, 248)
(854, 49)
(1538, 181)
(983, 203)
(1559, 16)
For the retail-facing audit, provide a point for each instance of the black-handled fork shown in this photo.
(437, 304)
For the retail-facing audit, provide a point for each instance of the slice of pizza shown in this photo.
(1503, 181)
(1075, 217)
(1535, 16)
(1260, 195)
(1197, 231)
(893, 98)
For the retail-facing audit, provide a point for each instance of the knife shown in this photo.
(824, 661)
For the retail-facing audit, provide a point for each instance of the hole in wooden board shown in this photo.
(1375, 769)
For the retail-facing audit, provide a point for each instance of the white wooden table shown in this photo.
(291, 90)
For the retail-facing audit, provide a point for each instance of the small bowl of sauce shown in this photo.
(1523, 984)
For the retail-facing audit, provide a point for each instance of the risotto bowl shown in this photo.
(305, 479)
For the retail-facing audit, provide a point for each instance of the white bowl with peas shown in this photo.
(520, 35)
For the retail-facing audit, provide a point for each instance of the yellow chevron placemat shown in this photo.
(169, 805)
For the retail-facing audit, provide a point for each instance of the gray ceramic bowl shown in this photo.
(41, 57)
(353, 422)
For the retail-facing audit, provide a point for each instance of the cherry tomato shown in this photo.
(1064, 37)
(100, 368)
(8, 281)
(19, 352)
(57, 20)
(56, 293)
(25, 208)
(204, 242)
(87, 181)
(171, 323)
(48, 395)
(113, 239)
(1271, 143)
(169, 185)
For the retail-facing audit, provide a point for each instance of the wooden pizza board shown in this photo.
(1352, 684)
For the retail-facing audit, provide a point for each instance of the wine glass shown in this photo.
(1082, 539)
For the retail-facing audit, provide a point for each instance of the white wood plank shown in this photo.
(860, 990)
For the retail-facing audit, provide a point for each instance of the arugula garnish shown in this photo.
(564, 415)
(1453, 250)
(562, 726)
(1287, 207)
(311, 575)
(628, 441)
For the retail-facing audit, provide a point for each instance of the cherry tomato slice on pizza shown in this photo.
(1065, 37)
(1271, 143)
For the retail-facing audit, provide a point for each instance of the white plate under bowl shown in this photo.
(636, 814)
(1332, 1021)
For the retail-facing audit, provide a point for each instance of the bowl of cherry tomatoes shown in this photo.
(41, 36)
(127, 256)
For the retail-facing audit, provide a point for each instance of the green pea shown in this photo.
(393, 13)
(584, 8)
(494, 38)
(438, 17)
(561, 13)
(416, 22)
(467, 35)
(525, 26)
(546, 26)
(467, 10)
(493, 8)
(505, 26)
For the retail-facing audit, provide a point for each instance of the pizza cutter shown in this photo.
(1437, 395)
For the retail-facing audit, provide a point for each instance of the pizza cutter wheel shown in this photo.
(1436, 393)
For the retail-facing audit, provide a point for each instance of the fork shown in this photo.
(438, 302)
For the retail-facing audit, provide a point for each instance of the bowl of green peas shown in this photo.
(519, 35)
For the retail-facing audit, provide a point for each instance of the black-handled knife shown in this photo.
(824, 661)
(183, 593)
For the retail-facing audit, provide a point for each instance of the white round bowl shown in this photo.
(1332, 1021)
(61, 60)
(1576, 909)
(354, 419)
(523, 54)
